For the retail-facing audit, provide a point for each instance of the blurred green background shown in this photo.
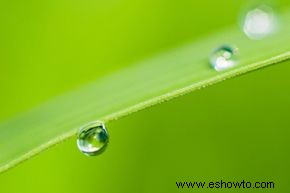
(236, 130)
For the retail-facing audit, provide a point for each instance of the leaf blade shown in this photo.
(147, 83)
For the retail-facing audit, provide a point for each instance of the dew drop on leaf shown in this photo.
(93, 138)
(224, 57)
(260, 22)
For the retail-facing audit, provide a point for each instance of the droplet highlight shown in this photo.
(93, 138)
(260, 22)
(224, 57)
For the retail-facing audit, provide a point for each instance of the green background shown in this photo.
(232, 131)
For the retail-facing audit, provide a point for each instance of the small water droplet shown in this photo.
(224, 57)
(260, 22)
(93, 138)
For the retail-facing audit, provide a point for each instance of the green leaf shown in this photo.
(168, 75)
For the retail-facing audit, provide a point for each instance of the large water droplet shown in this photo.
(260, 22)
(224, 57)
(93, 138)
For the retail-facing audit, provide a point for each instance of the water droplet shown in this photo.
(93, 138)
(260, 22)
(224, 57)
